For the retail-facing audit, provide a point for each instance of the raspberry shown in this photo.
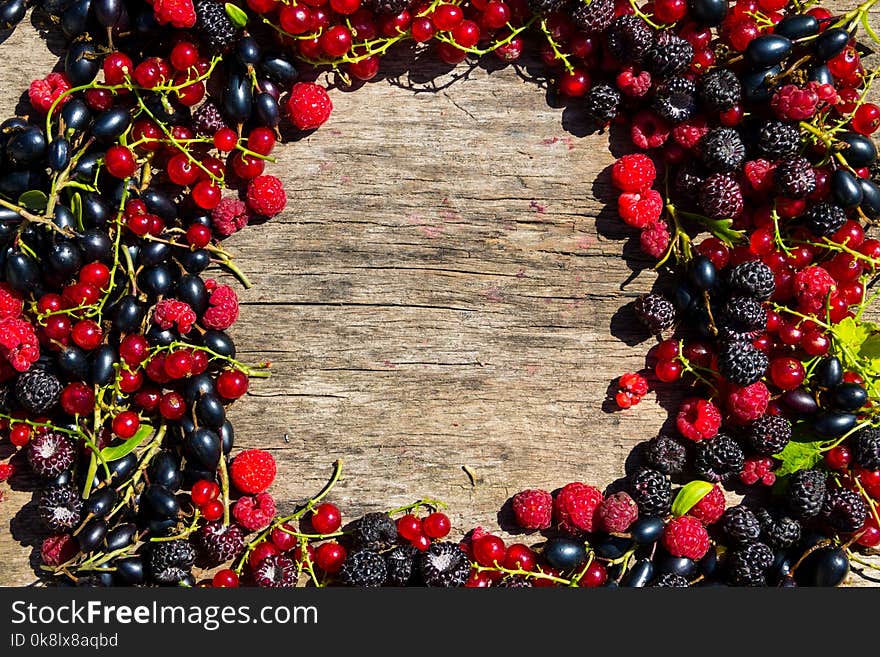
(42, 93)
(18, 343)
(265, 196)
(445, 565)
(178, 13)
(722, 150)
(57, 549)
(252, 471)
(276, 571)
(230, 216)
(633, 173)
(169, 312)
(811, 287)
(11, 304)
(669, 55)
(648, 130)
(638, 209)
(689, 133)
(533, 509)
(633, 84)
(654, 239)
(633, 387)
(308, 105)
(686, 537)
(674, 100)
(375, 531)
(711, 506)
(223, 309)
(254, 512)
(575, 506)
(777, 139)
(759, 174)
(698, 419)
(617, 512)
(208, 119)
(747, 403)
(791, 103)
(758, 469)
(6, 471)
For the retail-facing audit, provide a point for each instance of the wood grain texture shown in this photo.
(446, 288)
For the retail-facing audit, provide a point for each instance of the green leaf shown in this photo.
(871, 347)
(689, 495)
(118, 451)
(798, 456)
(720, 228)
(236, 15)
(33, 200)
(852, 333)
(76, 206)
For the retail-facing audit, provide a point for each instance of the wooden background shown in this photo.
(446, 289)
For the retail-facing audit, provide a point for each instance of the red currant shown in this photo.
(436, 525)
(787, 373)
(326, 518)
(212, 510)
(126, 424)
(409, 527)
(283, 540)
(120, 162)
(260, 552)
(330, 556)
(225, 579)
(838, 458)
(203, 491)
(489, 550)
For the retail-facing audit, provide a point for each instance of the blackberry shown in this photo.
(794, 177)
(629, 38)
(276, 571)
(208, 119)
(212, 22)
(670, 581)
(806, 493)
(742, 318)
(50, 454)
(753, 278)
(718, 458)
(824, 219)
(375, 531)
(220, 542)
(778, 530)
(601, 103)
(844, 510)
(741, 363)
(544, 7)
(866, 448)
(769, 434)
(5, 398)
(364, 568)
(60, 508)
(777, 139)
(748, 565)
(401, 565)
(655, 312)
(722, 150)
(720, 89)
(171, 561)
(688, 183)
(651, 491)
(669, 55)
(674, 100)
(38, 391)
(666, 454)
(515, 582)
(741, 525)
(390, 7)
(592, 15)
(445, 565)
(721, 197)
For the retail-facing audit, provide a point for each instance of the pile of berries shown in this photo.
(753, 176)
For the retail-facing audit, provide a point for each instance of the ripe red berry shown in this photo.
(330, 556)
(283, 540)
(838, 458)
(20, 435)
(203, 491)
(574, 83)
(232, 384)
(489, 550)
(787, 373)
(866, 119)
(520, 557)
(77, 399)
(206, 195)
(87, 334)
(326, 518)
(260, 552)
(436, 525)
(336, 41)
(212, 510)
(595, 575)
(133, 349)
(172, 406)
(225, 579)
(126, 424)
(120, 162)
(409, 527)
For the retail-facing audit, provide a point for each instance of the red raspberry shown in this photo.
(179, 13)
(308, 105)
(654, 239)
(6, 471)
(632, 84)
(811, 287)
(617, 512)
(58, 549)
(709, 509)
(758, 469)
(747, 403)
(826, 92)
(574, 507)
(18, 343)
(265, 196)
(759, 174)
(252, 471)
(169, 312)
(11, 304)
(230, 216)
(638, 209)
(533, 509)
(224, 306)
(686, 537)
(689, 133)
(649, 130)
(698, 419)
(42, 93)
(254, 512)
(790, 103)
(633, 173)
(635, 383)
